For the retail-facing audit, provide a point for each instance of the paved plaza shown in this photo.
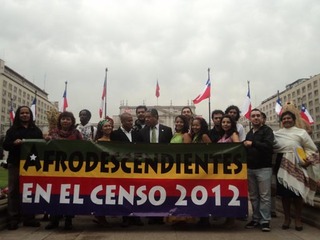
(85, 229)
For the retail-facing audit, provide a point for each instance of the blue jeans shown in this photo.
(259, 184)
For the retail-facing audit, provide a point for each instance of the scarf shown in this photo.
(301, 180)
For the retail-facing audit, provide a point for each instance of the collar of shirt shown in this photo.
(125, 131)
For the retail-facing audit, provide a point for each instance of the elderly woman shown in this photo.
(296, 178)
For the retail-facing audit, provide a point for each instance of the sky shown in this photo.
(268, 43)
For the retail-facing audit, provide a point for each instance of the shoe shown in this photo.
(265, 227)
(68, 224)
(101, 221)
(12, 226)
(252, 224)
(299, 228)
(45, 217)
(52, 225)
(31, 223)
(285, 226)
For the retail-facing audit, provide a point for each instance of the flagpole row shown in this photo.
(105, 98)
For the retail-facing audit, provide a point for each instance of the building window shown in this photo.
(14, 89)
(303, 89)
(316, 92)
(4, 84)
(298, 92)
(299, 100)
(315, 83)
(310, 104)
(4, 92)
(20, 91)
(309, 86)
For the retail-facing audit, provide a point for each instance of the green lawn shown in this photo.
(3, 177)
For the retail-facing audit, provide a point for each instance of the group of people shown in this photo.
(295, 181)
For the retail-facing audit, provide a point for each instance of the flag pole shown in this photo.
(278, 97)
(65, 89)
(209, 100)
(11, 110)
(248, 82)
(105, 98)
(35, 107)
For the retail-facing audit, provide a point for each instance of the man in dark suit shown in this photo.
(125, 133)
(154, 132)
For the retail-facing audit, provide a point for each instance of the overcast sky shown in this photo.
(270, 43)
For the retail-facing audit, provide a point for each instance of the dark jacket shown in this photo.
(119, 135)
(15, 133)
(259, 155)
(165, 134)
(214, 135)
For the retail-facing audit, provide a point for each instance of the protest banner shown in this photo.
(82, 177)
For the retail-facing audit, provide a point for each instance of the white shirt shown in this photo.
(128, 134)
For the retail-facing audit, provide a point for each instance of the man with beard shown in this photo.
(259, 145)
(141, 114)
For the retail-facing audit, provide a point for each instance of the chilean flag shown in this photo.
(278, 108)
(33, 108)
(12, 114)
(206, 93)
(246, 109)
(104, 93)
(306, 115)
(64, 102)
(157, 90)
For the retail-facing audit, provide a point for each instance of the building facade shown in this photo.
(302, 91)
(17, 91)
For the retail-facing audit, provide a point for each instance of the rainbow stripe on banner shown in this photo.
(81, 177)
